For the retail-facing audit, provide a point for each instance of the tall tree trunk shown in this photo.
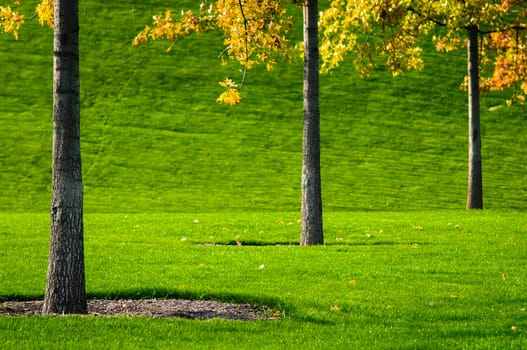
(65, 285)
(475, 183)
(311, 183)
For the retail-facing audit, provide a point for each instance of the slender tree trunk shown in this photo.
(475, 183)
(65, 285)
(311, 183)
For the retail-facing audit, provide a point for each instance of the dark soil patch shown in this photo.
(177, 308)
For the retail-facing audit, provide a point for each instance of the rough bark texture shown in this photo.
(475, 183)
(65, 285)
(311, 183)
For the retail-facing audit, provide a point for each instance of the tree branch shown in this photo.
(245, 21)
(517, 28)
(411, 9)
(499, 30)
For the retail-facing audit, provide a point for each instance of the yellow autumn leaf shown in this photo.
(228, 83)
(230, 97)
(277, 313)
(45, 13)
(10, 21)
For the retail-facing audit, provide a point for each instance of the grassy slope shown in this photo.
(153, 139)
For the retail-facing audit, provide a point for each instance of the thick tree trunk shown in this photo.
(475, 183)
(65, 285)
(311, 183)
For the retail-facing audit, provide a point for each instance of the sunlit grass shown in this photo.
(416, 279)
(154, 140)
(188, 198)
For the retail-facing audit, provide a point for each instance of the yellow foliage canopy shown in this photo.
(392, 29)
(45, 13)
(369, 29)
(231, 95)
(254, 33)
(11, 21)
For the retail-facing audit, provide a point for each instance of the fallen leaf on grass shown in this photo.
(335, 308)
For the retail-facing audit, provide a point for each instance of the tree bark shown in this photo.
(311, 183)
(65, 285)
(475, 183)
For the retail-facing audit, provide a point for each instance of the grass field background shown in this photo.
(168, 172)
(434, 279)
(153, 138)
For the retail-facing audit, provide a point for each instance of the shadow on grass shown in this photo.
(248, 244)
(160, 293)
(296, 244)
(166, 293)
(21, 297)
(285, 310)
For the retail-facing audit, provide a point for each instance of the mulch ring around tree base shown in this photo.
(175, 308)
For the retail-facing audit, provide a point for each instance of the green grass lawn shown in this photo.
(436, 279)
(167, 170)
